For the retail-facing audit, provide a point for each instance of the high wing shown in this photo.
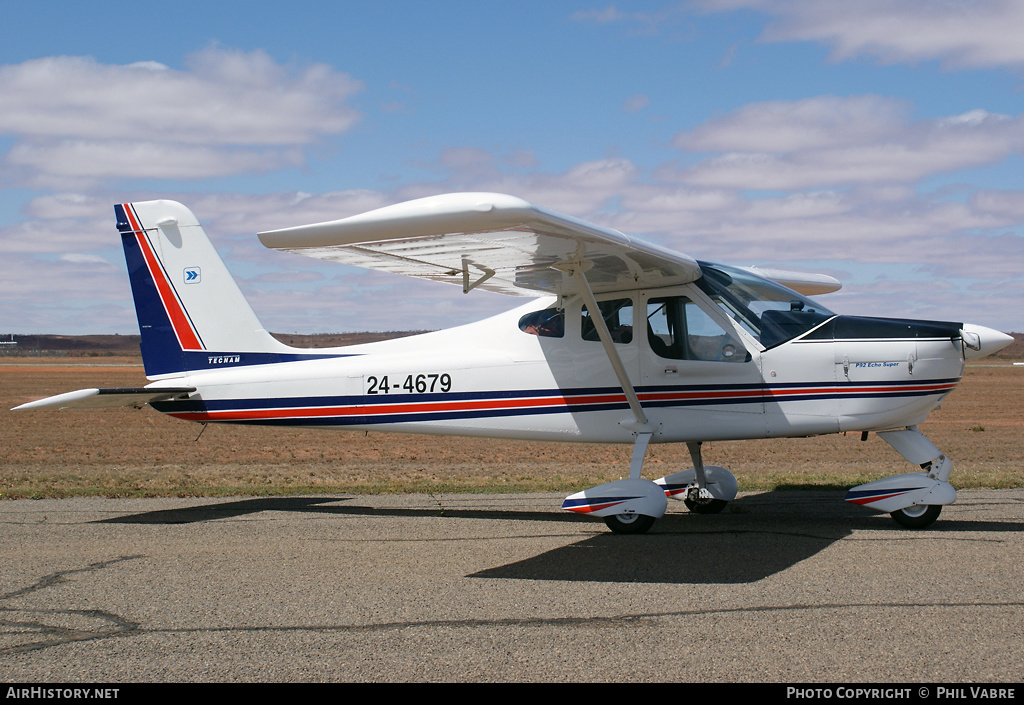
(489, 241)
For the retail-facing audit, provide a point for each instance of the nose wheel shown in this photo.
(704, 489)
(919, 516)
(704, 506)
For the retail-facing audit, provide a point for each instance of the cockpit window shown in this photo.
(549, 323)
(768, 311)
(678, 329)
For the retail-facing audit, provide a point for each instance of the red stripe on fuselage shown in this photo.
(398, 408)
(851, 389)
(379, 407)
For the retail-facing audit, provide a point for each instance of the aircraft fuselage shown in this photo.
(492, 378)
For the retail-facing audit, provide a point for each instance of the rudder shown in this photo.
(192, 315)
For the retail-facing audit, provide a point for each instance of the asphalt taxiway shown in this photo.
(783, 586)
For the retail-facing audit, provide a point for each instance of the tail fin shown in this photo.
(192, 315)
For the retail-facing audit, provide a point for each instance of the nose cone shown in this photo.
(980, 341)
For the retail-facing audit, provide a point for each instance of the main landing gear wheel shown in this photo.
(919, 516)
(710, 506)
(629, 523)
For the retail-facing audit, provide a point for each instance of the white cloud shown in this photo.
(68, 205)
(57, 235)
(789, 126)
(227, 112)
(1007, 204)
(635, 103)
(50, 296)
(669, 18)
(960, 33)
(80, 258)
(581, 189)
(68, 160)
(829, 141)
(223, 97)
(605, 15)
(469, 163)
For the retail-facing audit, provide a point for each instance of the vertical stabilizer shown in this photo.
(192, 315)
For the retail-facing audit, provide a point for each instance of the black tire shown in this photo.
(712, 506)
(629, 523)
(920, 516)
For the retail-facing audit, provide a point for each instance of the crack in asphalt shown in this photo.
(15, 621)
(35, 623)
(123, 628)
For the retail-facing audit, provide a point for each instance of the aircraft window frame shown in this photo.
(717, 313)
(735, 291)
(681, 314)
(545, 323)
(621, 333)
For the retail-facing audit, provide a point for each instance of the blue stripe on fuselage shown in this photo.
(318, 409)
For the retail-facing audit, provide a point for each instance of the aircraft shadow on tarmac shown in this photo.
(757, 536)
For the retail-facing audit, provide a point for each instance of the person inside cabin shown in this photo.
(549, 323)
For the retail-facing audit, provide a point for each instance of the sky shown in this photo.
(880, 142)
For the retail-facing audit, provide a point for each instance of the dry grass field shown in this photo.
(123, 452)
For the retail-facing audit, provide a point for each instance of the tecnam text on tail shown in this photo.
(622, 342)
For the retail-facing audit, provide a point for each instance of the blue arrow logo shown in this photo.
(193, 275)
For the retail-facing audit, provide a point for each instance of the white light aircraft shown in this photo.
(623, 342)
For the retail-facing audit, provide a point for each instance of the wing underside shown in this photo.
(488, 241)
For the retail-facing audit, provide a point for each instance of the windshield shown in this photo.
(770, 312)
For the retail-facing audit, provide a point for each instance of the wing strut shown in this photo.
(467, 286)
(640, 425)
(627, 506)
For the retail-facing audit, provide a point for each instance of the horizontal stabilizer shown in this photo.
(107, 398)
